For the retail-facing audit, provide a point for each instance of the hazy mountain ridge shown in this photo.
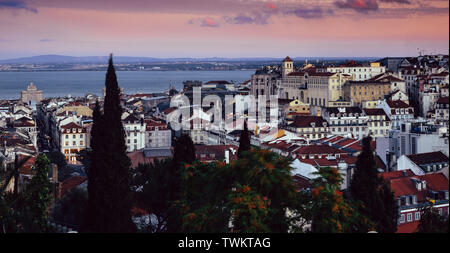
(62, 59)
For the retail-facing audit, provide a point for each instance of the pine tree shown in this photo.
(244, 141)
(109, 194)
(367, 188)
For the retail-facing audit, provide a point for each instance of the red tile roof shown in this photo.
(442, 100)
(377, 111)
(301, 182)
(70, 183)
(427, 158)
(305, 121)
(138, 157)
(71, 125)
(287, 59)
(397, 104)
(322, 162)
(397, 174)
(27, 166)
(409, 227)
(404, 186)
(319, 149)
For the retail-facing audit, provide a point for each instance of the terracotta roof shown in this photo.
(427, 158)
(409, 227)
(405, 186)
(319, 149)
(288, 59)
(70, 183)
(27, 166)
(397, 174)
(374, 111)
(136, 211)
(23, 123)
(442, 100)
(350, 160)
(138, 157)
(301, 182)
(151, 124)
(323, 162)
(71, 125)
(397, 104)
(305, 121)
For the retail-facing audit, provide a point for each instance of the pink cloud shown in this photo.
(209, 22)
(271, 6)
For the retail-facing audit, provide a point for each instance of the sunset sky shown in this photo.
(224, 28)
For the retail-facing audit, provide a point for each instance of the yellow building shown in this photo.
(371, 104)
(80, 110)
(324, 88)
(296, 108)
(359, 92)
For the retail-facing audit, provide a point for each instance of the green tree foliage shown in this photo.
(57, 158)
(6, 217)
(154, 191)
(254, 192)
(184, 150)
(244, 141)
(376, 199)
(331, 213)
(38, 197)
(432, 222)
(109, 202)
(71, 208)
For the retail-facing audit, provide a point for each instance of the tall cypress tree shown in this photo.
(367, 187)
(109, 191)
(244, 141)
(184, 150)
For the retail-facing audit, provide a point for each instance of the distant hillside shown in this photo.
(62, 59)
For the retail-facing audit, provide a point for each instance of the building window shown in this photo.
(417, 216)
(402, 218)
(409, 217)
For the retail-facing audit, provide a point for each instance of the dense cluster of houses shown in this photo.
(323, 114)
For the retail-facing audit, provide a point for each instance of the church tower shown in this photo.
(288, 66)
